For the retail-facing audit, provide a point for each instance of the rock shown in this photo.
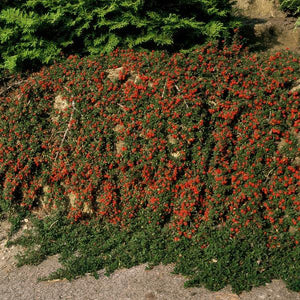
(119, 146)
(288, 38)
(296, 86)
(172, 140)
(118, 128)
(281, 144)
(260, 8)
(86, 208)
(269, 24)
(134, 77)
(44, 198)
(266, 30)
(243, 4)
(60, 105)
(113, 74)
(72, 197)
(293, 229)
(176, 154)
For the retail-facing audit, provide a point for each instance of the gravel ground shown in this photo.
(126, 284)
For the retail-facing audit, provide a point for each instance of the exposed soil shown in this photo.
(268, 27)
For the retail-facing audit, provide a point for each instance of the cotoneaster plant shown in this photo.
(141, 157)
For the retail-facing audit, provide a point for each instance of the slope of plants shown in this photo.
(140, 157)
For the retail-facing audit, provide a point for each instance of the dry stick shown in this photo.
(53, 224)
(268, 175)
(123, 107)
(11, 86)
(6, 77)
(74, 108)
(269, 118)
(177, 88)
(56, 280)
(186, 103)
(52, 134)
(68, 128)
(163, 93)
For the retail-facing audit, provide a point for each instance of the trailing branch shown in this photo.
(164, 90)
(68, 128)
(11, 86)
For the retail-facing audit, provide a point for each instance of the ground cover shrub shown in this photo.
(35, 32)
(150, 157)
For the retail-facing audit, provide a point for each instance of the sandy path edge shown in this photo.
(125, 284)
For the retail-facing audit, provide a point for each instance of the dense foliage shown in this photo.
(292, 7)
(35, 32)
(200, 149)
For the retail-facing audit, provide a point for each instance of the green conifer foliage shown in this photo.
(292, 7)
(35, 32)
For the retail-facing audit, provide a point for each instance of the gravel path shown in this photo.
(126, 284)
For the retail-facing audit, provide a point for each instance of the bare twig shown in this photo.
(56, 280)
(53, 132)
(67, 89)
(178, 90)
(164, 90)
(122, 106)
(12, 85)
(53, 224)
(6, 77)
(68, 128)
(268, 175)
(269, 118)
